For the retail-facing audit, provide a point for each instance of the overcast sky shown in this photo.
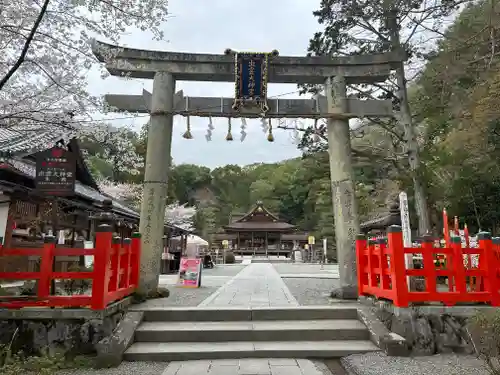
(211, 27)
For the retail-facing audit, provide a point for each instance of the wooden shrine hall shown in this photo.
(259, 232)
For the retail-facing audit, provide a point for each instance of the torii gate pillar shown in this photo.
(345, 208)
(156, 172)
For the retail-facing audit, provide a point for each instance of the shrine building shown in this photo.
(259, 232)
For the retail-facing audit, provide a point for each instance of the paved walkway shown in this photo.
(257, 285)
(282, 366)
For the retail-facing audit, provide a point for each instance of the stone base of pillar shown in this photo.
(347, 292)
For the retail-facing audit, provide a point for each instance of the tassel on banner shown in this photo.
(229, 136)
(270, 136)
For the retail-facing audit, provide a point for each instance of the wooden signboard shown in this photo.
(56, 172)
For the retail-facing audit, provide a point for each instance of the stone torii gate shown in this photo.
(165, 68)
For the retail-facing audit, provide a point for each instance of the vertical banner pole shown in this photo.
(405, 225)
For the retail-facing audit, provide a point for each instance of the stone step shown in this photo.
(287, 330)
(218, 314)
(183, 351)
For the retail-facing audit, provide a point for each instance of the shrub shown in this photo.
(19, 364)
(77, 286)
(139, 297)
(230, 258)
(484, 329)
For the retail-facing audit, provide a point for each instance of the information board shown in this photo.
(56, 172)
(190, 273)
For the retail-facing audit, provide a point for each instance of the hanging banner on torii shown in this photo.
(251, 73)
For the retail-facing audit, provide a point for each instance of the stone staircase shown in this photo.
(178, 334)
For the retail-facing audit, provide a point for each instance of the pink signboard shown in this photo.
(190, 273)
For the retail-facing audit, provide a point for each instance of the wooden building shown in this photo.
(259, 232)
(26, 215)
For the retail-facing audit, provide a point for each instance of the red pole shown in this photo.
(489, 265)
(136, 259)
(456, 226)
(46, 266)
(102, 257)
(429, 267)
(458, 265)
(360, 261)
(466, 235)
(398, 266)
(115, 263)
(125, 283)
(446, 228)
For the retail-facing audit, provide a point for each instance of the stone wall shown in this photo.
(70, 331)
(70, 336)
(428, 330)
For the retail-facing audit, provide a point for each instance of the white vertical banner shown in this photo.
(324, 250)
(405, 226)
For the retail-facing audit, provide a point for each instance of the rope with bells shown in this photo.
(187, 134)
(266, 126)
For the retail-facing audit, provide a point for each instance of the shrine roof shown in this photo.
(82, 190)
(27, 168)
(267, 220)
(262, 226)
(23, 140)
(392, 217)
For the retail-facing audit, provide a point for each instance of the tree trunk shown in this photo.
(411, 144)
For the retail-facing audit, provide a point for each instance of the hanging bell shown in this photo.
(270, 137)
(187, 134)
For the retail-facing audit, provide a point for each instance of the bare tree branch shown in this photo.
(26, 47)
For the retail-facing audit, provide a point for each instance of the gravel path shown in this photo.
(305, 268)
(211, 280)
(311, 291)
(443, 364)
(125, 368)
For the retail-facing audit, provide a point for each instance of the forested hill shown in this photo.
(455, 103)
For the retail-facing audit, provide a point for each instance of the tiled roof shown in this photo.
(80, 189)
(32, 138)
(249, 225)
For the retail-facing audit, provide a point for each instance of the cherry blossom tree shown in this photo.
(116, 147)
(181, 216)
(45, 49)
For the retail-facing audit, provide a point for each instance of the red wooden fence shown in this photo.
(115, 274)
(382, 271)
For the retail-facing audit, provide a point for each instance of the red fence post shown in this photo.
(384, 266)
(429, 266)
(489, 264)
(398, 266)
(115, 264)
(458, 265)
(102, 255)
(360, 261)
(496, 251)
(135, 261)
(46, 264)
(372, 278)
(125, 264)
